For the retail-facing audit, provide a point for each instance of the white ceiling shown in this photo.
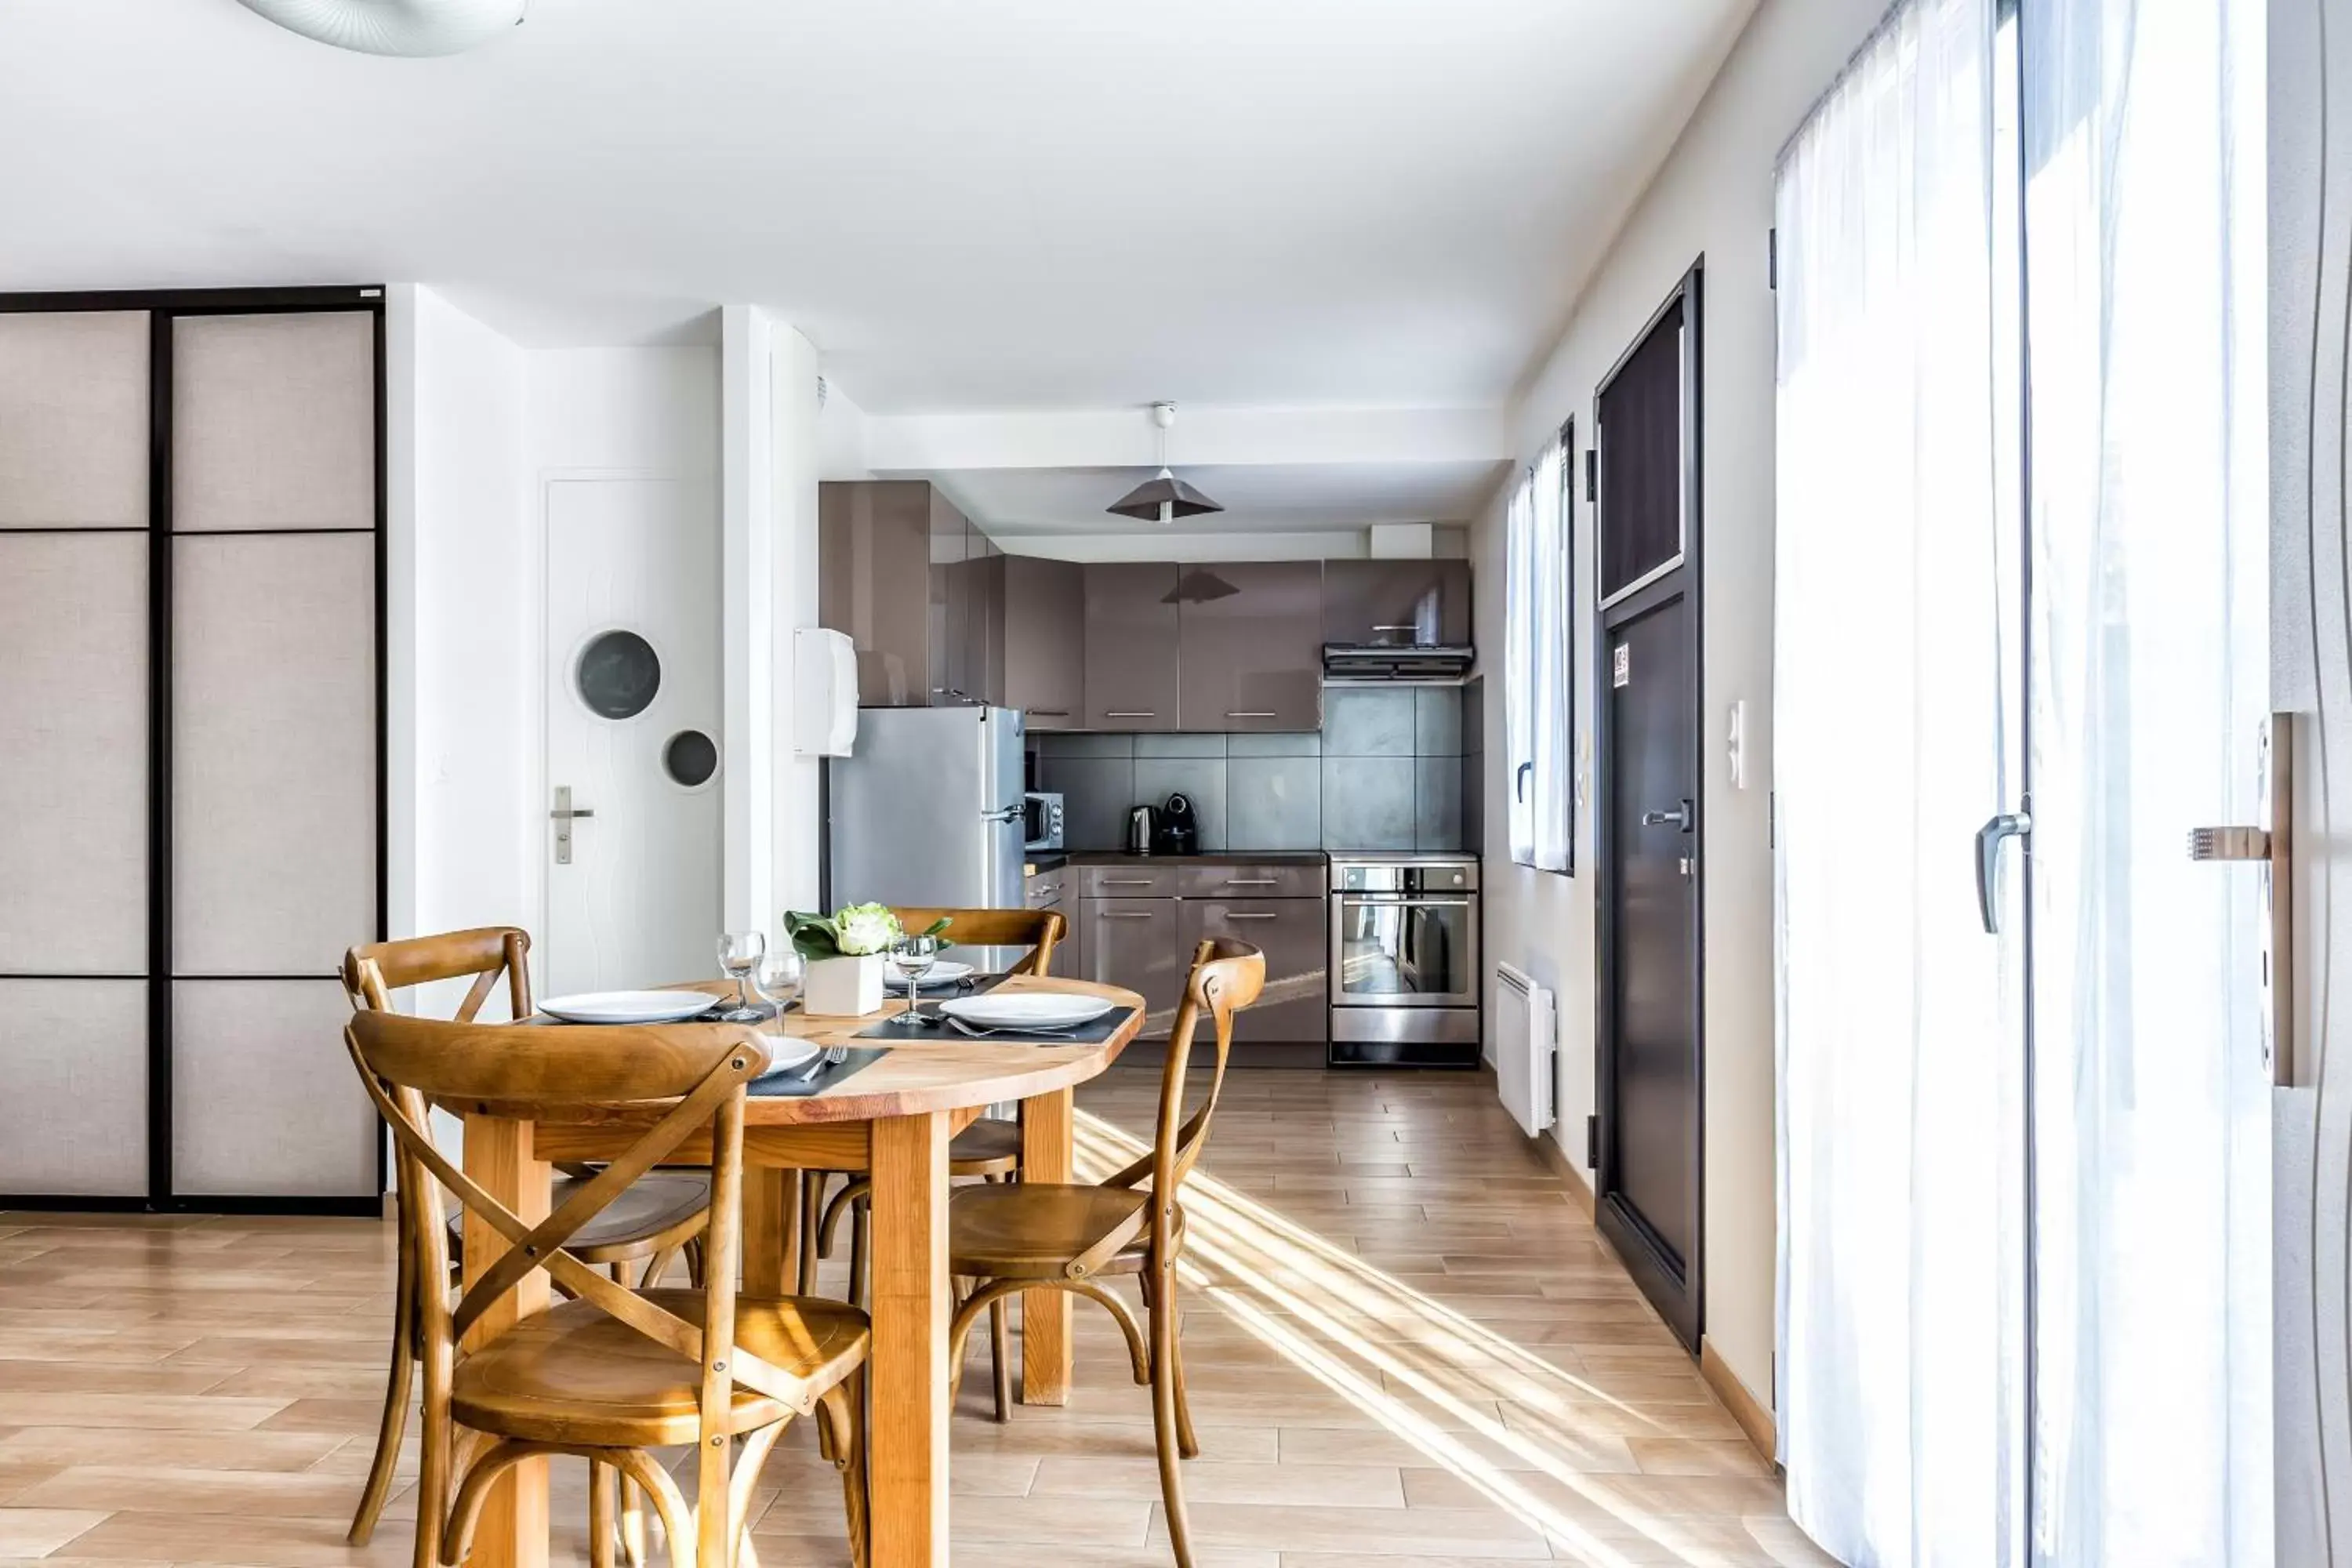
(1264, 498)
(1023, 203)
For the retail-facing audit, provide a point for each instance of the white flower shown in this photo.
(865, 928)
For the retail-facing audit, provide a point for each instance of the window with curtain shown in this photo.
(1538, 706)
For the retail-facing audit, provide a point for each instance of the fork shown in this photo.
(961, 1028)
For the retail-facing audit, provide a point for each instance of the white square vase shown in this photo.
(842, 988)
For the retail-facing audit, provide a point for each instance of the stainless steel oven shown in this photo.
(1405, 981)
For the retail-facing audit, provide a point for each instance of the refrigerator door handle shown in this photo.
(1002, 813)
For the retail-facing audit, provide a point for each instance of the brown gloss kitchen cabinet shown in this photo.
(1134, 944)
(1044, 640)
(1405, 602)
(1131, 639)
(1295, 937)
(916, 588)
(1249, 655)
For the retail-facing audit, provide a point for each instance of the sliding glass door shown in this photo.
(2022, 609)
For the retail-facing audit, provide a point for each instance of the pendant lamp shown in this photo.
(1164, 498)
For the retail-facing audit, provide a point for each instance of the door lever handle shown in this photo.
(2007, 825)
(1680, 817)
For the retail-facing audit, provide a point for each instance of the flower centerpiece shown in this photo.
(845, 956)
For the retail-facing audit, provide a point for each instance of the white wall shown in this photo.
(462, 664)
(1713, 197)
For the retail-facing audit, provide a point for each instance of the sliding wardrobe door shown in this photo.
(274, 738)
(74, 800)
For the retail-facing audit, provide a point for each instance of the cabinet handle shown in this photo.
(1403, 629)
(1254, 713)
(1252, 881)
(1123, 915)
(1131, 713)
(1247, 915)
(1048, 712)
(1124, 882)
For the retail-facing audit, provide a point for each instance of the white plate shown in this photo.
(785, 1053)
(626, 1006)
(944, 972)
(1026, 1010)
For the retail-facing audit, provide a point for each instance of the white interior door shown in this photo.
(632, 734)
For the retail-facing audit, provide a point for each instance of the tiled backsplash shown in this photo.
(1384, 774)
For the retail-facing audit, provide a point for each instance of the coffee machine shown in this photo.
(1179, 831)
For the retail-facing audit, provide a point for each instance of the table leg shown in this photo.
(1047, 1125)
(771, 1198)
(908, 1437)
(499, 1156)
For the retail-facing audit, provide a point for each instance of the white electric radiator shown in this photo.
(1526, 1040)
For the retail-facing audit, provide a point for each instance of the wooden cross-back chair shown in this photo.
(613, 1372)
(658, 1218)
(990, 1148)
(1068, 1237)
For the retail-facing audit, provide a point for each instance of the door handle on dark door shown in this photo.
(1680, 817)
(2007, 825)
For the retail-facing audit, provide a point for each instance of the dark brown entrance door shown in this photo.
(1650, 1058)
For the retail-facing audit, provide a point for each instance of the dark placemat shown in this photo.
(789, 1085)
(1091, 1033)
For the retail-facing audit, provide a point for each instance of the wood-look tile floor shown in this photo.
(1405, 1345)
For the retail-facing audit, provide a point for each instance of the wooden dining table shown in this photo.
(892, 1119)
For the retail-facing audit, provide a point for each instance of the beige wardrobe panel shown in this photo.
(265, 1100)
(73, 1055)
(273, 421)
(73, 754)
(73, 419)
(273, 743)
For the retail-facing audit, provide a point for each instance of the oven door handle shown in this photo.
(1403, 901)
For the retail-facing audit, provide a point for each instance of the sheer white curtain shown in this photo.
(1902, 1250)
(1537, 631)
(2149, 678)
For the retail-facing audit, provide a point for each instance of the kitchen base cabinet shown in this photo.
(1136, 943)
(1294, 1007)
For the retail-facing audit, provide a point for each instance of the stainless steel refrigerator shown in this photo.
(926, 810)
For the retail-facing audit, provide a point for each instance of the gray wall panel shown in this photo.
(265, 1102)
(73, 1057)
(273, 422)
(73, 419)
(274, 736)
(73, 752)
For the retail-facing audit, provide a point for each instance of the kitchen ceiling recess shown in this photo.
(1164, 498)
(409, 27)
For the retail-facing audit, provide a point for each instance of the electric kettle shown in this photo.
(1142, 826)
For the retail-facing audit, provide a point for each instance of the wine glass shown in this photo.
(912, 957)
(739, 955)
(780, 975)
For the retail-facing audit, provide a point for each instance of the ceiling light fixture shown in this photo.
(407, 28)
(1164, 498)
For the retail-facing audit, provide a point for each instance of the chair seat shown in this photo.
(1035, 1230)
(989, 1147)
(658, 1210)
(573, 1375)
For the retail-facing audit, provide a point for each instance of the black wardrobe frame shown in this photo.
(163, 307)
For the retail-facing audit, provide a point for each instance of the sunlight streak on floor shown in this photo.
(1356, 1330)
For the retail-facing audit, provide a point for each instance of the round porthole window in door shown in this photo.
(618, 675)
(690, 759)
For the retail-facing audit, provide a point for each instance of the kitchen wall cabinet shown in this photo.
(916, 588)
(1132, 645)
(1250, 656)
(1407, 602)
(1044, 640)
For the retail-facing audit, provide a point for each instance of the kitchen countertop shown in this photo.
(1221, 858)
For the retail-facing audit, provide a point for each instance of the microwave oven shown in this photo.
(1041, 821)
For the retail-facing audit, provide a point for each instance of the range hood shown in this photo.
(1403, 664)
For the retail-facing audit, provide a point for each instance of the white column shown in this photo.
(769, 376)
(748, 642)
(798, 832)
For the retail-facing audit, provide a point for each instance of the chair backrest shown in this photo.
(676, 1079)
(1036, 930)
(1226, 977)
(372, 972)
